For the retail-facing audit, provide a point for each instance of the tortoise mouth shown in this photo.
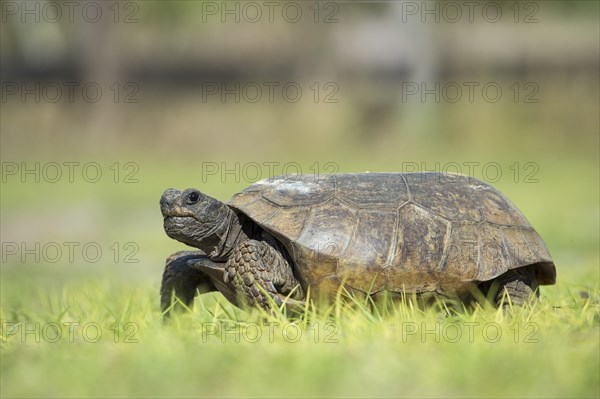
(179, 219)
(185, 229)
(176, 225)
(176, 211)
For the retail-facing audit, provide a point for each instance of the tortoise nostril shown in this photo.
(168, 199)
(164, 202)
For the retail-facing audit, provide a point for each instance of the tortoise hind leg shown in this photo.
(182, 282)
(514, 287)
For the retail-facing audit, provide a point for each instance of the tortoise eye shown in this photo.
(193, 197)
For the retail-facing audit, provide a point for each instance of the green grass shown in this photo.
(347, 349)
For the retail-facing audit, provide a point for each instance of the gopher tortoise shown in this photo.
(418, 233)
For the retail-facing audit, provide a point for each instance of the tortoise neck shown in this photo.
(232, 233)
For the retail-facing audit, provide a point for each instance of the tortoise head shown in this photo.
(196, 219)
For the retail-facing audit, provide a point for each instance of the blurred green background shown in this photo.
(506, 91)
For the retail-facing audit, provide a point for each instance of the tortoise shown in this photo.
(420, 233)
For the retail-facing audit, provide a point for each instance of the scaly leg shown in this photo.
(261, 264)
(519, 284)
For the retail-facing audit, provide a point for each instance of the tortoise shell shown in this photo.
(400, 232)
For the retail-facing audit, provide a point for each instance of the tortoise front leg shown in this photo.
(257, 264)
(182, 281)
